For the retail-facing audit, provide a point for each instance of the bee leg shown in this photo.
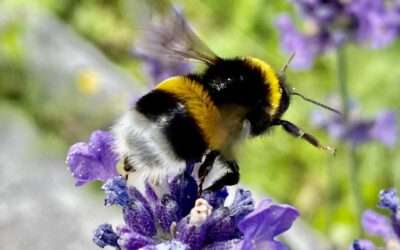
(128, 168)
(296, 131)
(229, 179)
(206, 167)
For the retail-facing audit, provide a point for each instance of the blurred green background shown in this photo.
(66, 67)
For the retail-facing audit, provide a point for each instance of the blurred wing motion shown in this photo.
(167, 34)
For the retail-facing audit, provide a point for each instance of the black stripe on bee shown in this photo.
(179, 127)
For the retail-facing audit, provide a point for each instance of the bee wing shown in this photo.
(167, 34)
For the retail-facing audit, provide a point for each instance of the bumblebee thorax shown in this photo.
(246, 81)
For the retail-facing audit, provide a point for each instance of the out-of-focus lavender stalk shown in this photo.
(352, 155)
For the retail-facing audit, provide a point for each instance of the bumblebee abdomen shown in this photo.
(190, 120)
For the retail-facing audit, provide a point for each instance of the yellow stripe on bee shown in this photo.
(275, 90)
(200, 106)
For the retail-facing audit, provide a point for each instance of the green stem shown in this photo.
(355, 184)
(353, 157)
(342, 81)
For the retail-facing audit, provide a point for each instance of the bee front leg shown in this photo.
(206, 167)
(231, 176)
(230, 170)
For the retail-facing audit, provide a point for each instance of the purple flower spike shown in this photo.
(138, 215)
(105, 236)
(139, 200)
(94, 160)
(160, 69)
(150, 193)
(358, 132)
(388, 199)
(131, 240)
(184, 191)
(191, 235)
(215, 199)
(242, 204)
(222, 226)
(223, 245)
(166, 212)
(362, 245)
(116, 192)
(385, 128)
(376, 224)
(261, 226)
(293, 41)
(169, 245)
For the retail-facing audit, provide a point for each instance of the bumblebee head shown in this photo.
(249, 83)
(277, 93)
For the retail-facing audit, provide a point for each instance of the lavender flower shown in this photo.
(388, 199)
(152, 223)
(379, 225)
(329, 24)
(159, 68)
(357, 131)
(277, 219)
(105, 236)
(362, 245)
(94, 160)
(178, 218)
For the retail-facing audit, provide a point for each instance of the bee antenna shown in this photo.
(284, 68)
(316, 103)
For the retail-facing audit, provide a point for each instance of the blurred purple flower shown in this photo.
(294, 41)
(379, 225)
(329, 24)
(160, 68)
(385, 128)
(357, 131)
(94, 160)
(362, 245)
(388, 199)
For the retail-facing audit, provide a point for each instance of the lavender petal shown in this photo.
(116, 192)
(215, 198)
(131, 240)
(94, 160)
(168, 245)
(242, 204)
(223, 245)
(267, 221)
(385, 128)
(192, 235)
(376, 224)
(221, 226)
(166, 212)
(388, 199)
(362, 245)
(105, 236)
(184, 191)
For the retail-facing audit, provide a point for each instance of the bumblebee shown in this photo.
(200, 117)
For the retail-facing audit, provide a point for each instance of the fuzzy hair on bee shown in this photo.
(200, 117)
